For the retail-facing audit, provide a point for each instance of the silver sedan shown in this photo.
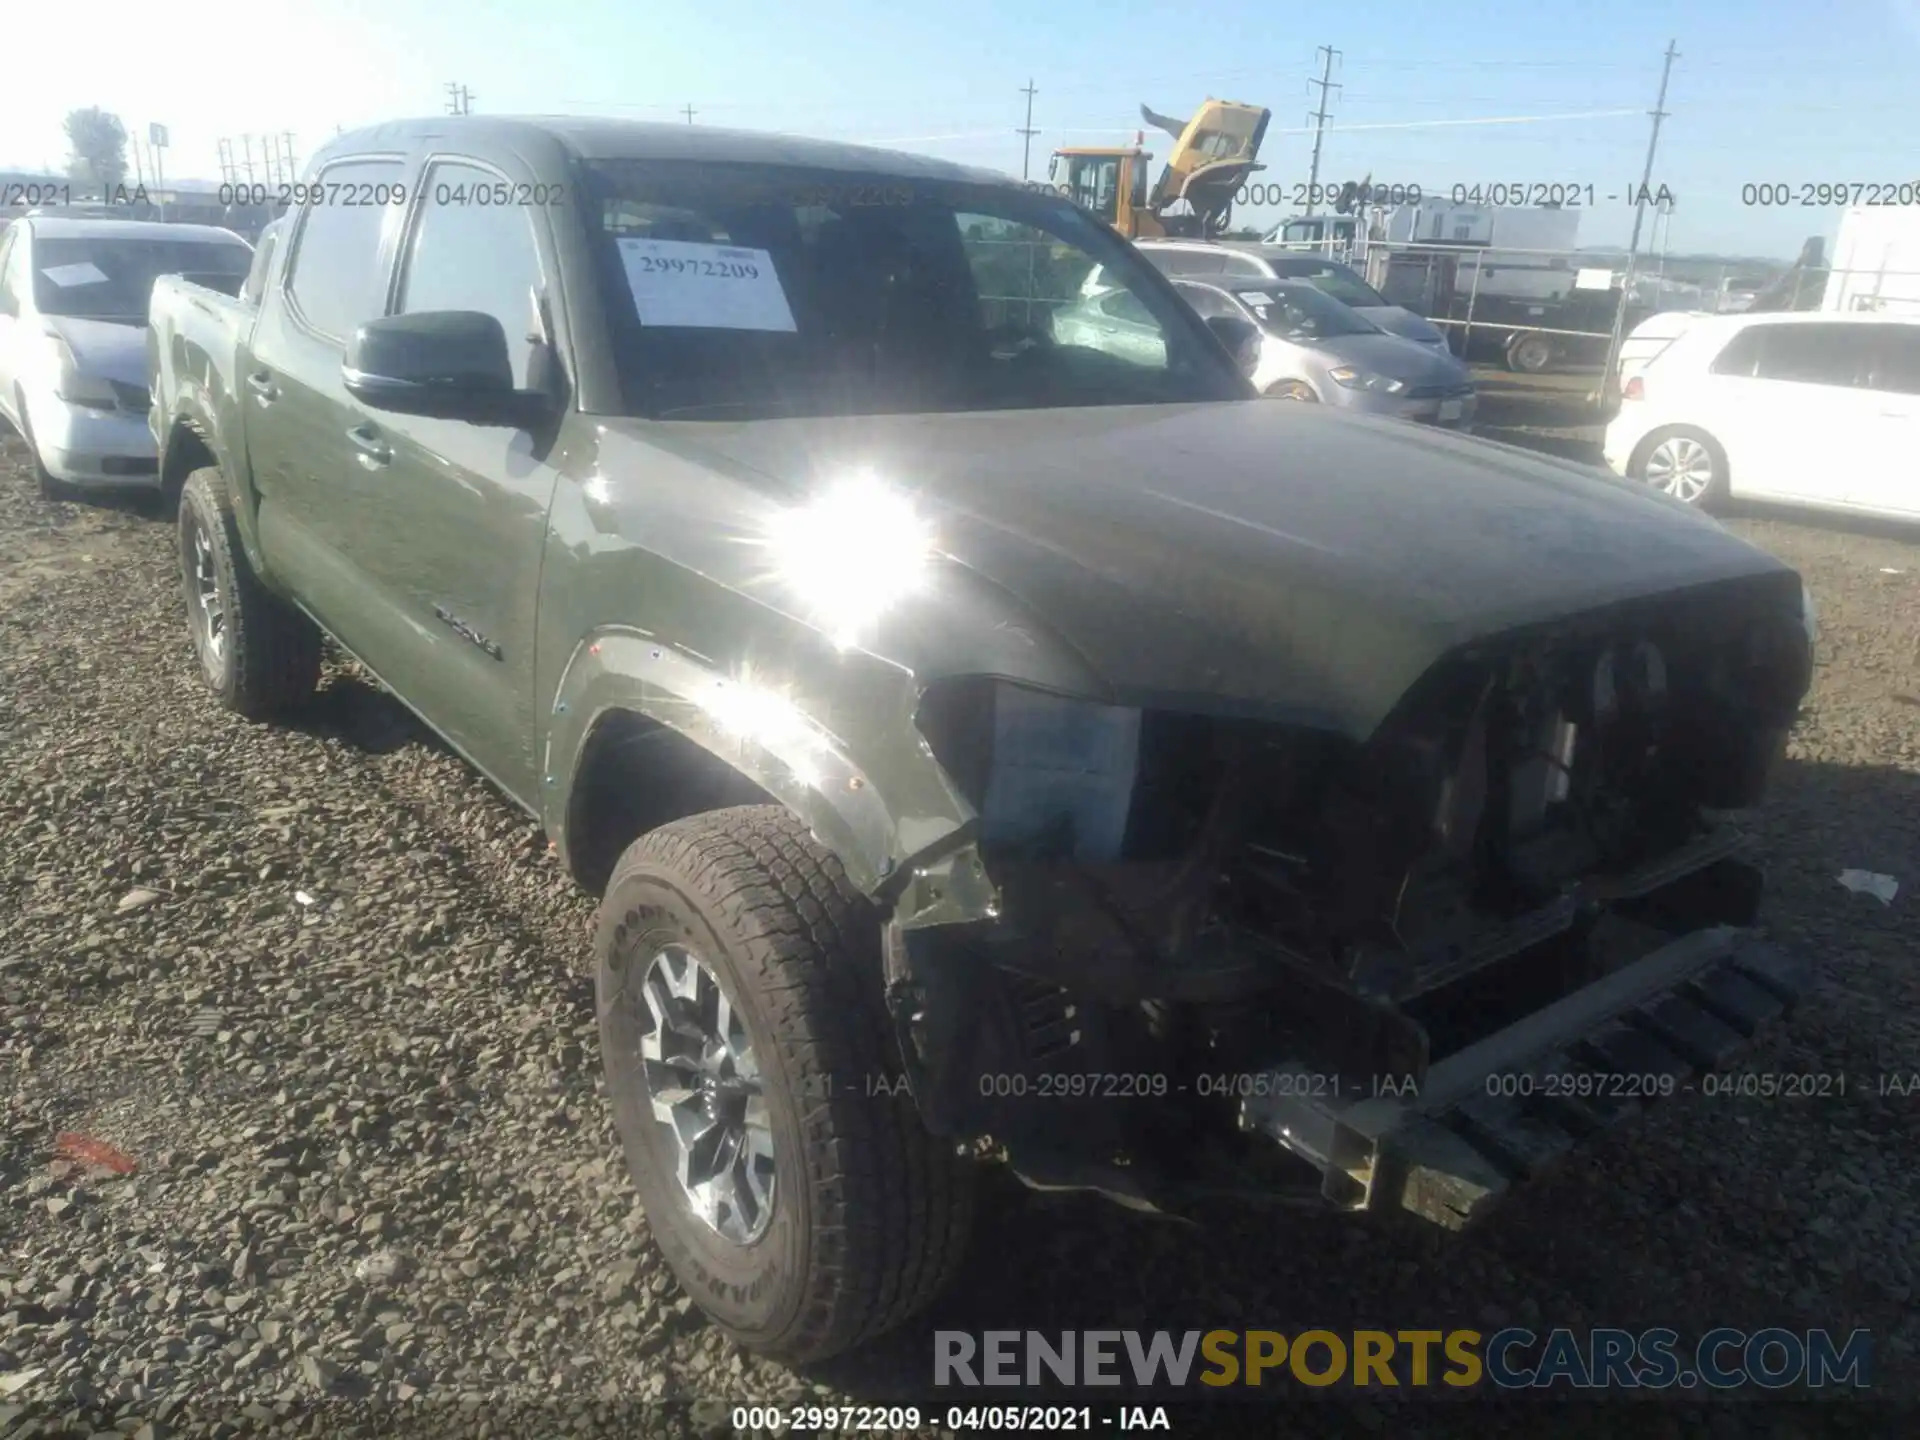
(1312, 348)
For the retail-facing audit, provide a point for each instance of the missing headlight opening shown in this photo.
(1208, 895)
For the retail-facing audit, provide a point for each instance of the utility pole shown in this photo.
(1027, 134)
(459, 99)
(286, 139)
(689, 112)
(246, 145)
(1319, 118)
(1659, 113)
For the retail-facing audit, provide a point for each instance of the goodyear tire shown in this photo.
(755, 1084)
(258, 655)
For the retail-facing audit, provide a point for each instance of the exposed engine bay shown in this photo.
(1189, 900)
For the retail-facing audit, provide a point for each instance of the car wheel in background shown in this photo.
(1530, 354)
(50, 487)
(1684, 463)
(1291, 390)
(756, 1085)
(258, 654)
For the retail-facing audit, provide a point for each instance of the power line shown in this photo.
(1319, 118)
(1026, 135)
(1659, 113)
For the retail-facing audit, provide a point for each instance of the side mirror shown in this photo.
(1241, 339)
(447, 364)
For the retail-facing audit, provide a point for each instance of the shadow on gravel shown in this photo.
(364, 716)
(1566, 447)
(1836, 522)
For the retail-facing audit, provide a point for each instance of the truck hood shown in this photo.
(1398, 320)
(1245, 557)
(103, 348)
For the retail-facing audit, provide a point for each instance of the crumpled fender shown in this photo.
(895, 820)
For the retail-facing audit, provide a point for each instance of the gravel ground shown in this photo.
(328, 991)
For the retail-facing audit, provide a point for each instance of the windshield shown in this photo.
(1295, 310)
(740, 291)
(1335, 280)
(109, 277)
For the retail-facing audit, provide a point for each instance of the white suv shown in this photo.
(1813, 409)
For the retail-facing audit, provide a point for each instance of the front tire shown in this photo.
(258, 655)
(757, 1089)
(1685, 463)
(1292, 390)
(50, 487)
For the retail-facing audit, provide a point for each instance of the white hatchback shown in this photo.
(1810, 409)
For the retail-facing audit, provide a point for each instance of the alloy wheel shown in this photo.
(209, 610)
(1682, 467)
(703, 1080)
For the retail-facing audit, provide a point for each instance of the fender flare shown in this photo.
(193, 415)
(905, 834)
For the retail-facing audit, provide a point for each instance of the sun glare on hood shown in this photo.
(852, 552)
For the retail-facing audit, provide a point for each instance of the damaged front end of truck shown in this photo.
(1209, 954)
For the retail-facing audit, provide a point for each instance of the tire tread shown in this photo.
(892, 1206)
(274, 648)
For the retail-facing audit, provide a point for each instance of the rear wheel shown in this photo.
(1530, 354)
(1684, 463)
(258, 654)
(1291, 390)
(757, 1089)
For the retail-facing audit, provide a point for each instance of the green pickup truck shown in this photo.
(989, 745)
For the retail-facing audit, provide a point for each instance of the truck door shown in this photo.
(298, 412)
(449, 520)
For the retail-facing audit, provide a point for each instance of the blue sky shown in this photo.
(1765, 91)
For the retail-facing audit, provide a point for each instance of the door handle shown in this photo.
(261, 383)
(374, 452)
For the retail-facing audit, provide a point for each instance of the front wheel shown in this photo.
(1292, 390)
(757, 1088)
(1684, 463)
(50, 487)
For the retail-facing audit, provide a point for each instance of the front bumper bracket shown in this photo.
(1508, 1107)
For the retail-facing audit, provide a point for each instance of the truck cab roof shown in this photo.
(595, 139)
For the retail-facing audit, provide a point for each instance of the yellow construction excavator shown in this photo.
(1213, 154)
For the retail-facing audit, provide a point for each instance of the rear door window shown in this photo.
(338, 281)
(1896, 365)
(1816, 354)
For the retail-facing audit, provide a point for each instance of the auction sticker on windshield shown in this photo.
(67, 276)
(707, 287)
